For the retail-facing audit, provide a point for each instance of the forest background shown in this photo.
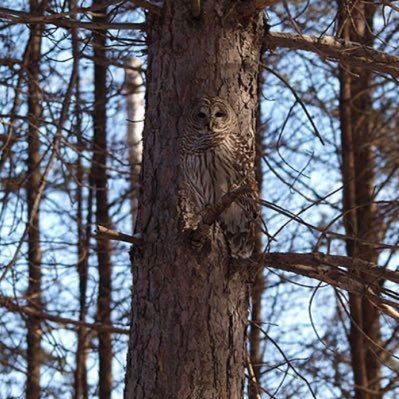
(72, 79)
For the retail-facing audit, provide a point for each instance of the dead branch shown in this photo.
(339, 272)
(350, 53)
(252, 377)
(105, 232)
(9, 304)
(21, 17)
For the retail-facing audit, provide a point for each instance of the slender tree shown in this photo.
(100, 179)
(33, 323)
(362, 225)
(135, 114)
(83, 232)
(258, 286)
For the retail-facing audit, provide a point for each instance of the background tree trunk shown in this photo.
(135, 115)
(189, 308)
(361, 223)
(99, 178)
(255, 353)
(258, 286)
(83, 232)
(34, 332)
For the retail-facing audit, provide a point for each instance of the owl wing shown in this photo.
(240, 219)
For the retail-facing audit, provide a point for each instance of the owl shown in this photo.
(215, 158)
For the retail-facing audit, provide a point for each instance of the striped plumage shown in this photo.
(215, 158)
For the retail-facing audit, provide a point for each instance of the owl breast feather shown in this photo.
(210, 175)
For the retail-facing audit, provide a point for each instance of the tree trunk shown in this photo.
(135, 115)
(255, 353)
(355, 24)
(99, 178)
(189, 307)
(34, 332)
(80, 376)
(258, 286)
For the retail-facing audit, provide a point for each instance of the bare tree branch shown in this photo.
(117, 236)
(9, 303)
(61, 20)
(252, 377)
(54, 153)
(351, 53)
(389, 4)
(338, 271)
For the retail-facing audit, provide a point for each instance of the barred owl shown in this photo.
(215, 157)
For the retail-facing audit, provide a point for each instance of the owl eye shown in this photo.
(201, 115)
(220, 114)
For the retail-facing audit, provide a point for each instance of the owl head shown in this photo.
(211, 116)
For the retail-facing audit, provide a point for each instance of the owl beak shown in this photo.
(210, 125)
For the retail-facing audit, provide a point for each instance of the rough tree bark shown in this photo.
(189, 307)
(99, 178)
(34, 294)
(361, 222)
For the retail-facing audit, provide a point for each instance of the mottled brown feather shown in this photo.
(214, 158)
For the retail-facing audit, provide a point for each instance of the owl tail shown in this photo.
(241, 244)
(238, 223)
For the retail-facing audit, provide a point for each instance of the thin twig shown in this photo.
(44, 177)
(16, 16)
(289, 363)
(9, 303)
(301, 103)
(252, 377)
